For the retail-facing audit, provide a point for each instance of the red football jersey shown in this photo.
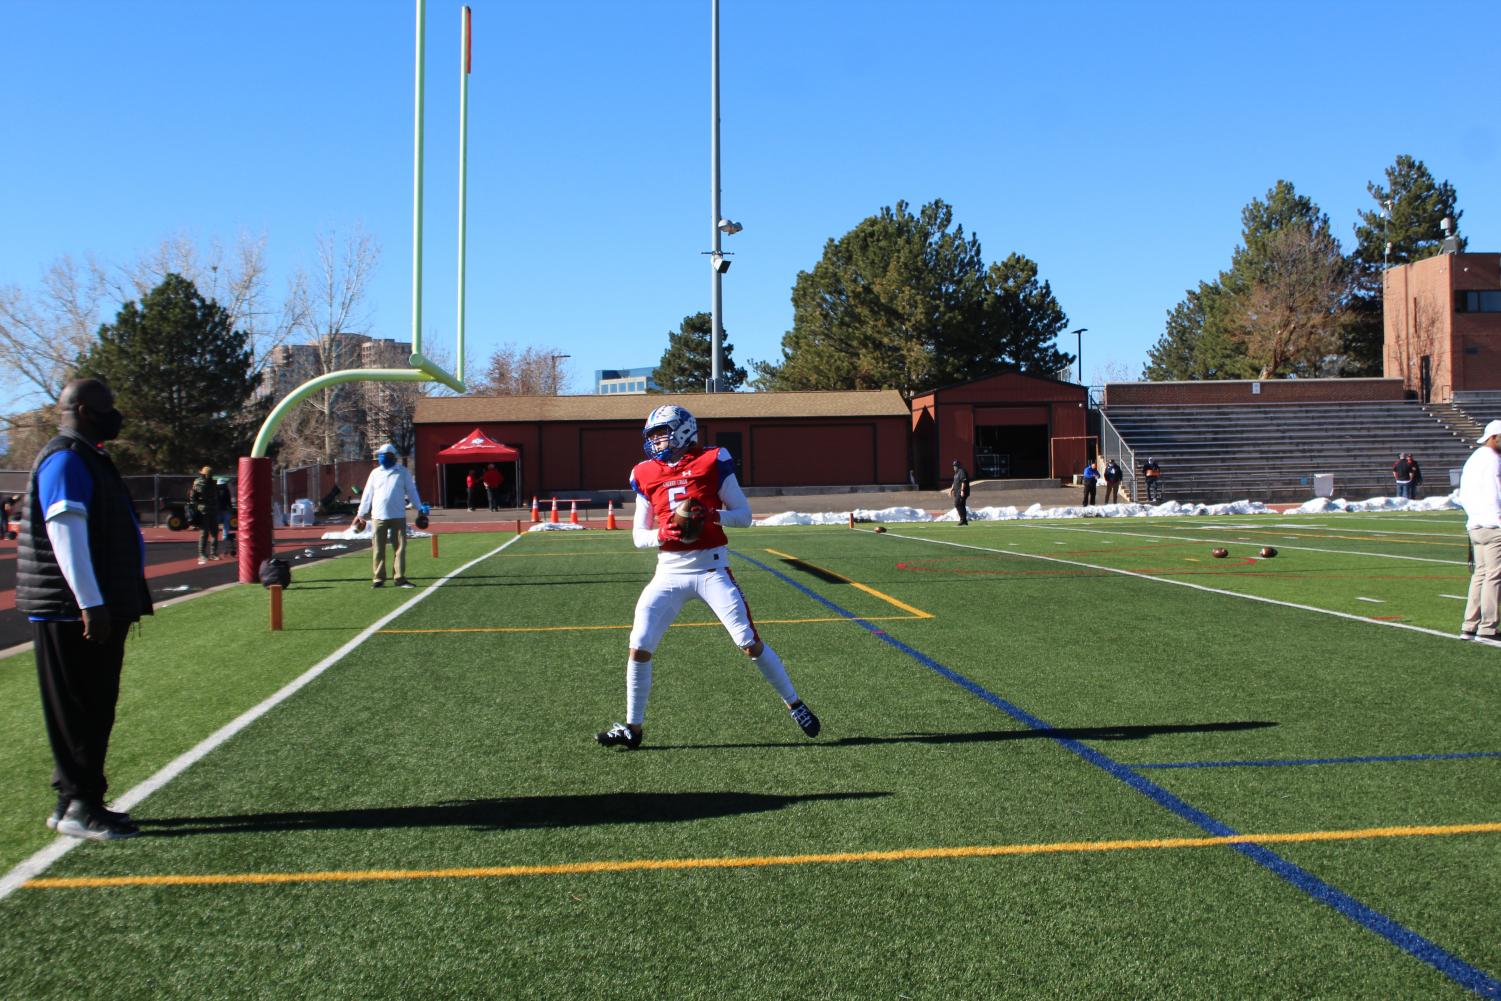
(697, 474)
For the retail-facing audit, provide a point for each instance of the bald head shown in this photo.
(88, 406)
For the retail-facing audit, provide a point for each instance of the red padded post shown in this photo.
(254, 532)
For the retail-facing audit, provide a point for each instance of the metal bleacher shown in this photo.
(1270, 452)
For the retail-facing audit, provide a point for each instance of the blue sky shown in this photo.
(1115, 144)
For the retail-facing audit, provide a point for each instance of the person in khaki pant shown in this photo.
(383, 503)
(1480, 496)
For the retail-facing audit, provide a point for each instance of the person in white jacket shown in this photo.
(383, 503)
(1480, 496)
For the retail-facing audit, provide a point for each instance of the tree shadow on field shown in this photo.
(1133, 732)
(507, 814)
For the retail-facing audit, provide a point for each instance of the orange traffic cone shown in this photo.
(536, 514)
(554, 518)
(610, 516)
(573, 512)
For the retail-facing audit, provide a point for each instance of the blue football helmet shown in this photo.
(670, 431)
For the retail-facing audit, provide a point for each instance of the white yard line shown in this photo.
(1183, 583)
(1374, 601)
(39, 863)
(1456, 597)
(1192, 538)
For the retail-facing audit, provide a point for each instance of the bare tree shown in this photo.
(529, 371)
(1291, 314)
(331, 321)
(43, 333)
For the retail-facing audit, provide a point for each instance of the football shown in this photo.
(688, 518)
(1267, 552)
(880, 528)
(1219, 554)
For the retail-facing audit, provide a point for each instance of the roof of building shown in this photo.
(499, 409)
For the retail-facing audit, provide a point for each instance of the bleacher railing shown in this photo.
(1113, 446)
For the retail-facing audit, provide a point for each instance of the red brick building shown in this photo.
(1002, 426)
(1443, 325)
(571, 444)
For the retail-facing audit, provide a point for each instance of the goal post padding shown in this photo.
(254, 532)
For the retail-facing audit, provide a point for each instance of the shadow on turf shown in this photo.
(1138, 732)
(500, 814)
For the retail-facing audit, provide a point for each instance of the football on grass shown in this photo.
(1219, 554)
(688, 518)
(1267, 552)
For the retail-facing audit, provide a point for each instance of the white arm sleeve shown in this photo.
(68, 531)
(734, 509)
(644, 525)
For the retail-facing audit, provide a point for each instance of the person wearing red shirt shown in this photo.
(492, 481)
(691, 563)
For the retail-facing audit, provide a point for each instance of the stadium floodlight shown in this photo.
(729, 228)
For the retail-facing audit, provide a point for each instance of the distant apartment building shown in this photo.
(1443, 325)
(613, 381)
(290, 365)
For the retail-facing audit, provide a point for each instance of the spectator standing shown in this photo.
(1091, 480)
(492, 480)
(1480, 496)
(226, 509)
(383, 501)
(81, 580)
(1417, 477)
(203, 498)
(1153, 472)
(1402, 473)
(473, 483)
(960, 492)
(1113, 477)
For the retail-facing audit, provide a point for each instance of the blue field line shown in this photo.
(1409, 941)
(1287, 762)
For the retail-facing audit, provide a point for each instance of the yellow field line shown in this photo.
(857, 585)
(675, 625)
(749, 861)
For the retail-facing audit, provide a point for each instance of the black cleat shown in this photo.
(619, 735)
(803, 717)
(94, 822)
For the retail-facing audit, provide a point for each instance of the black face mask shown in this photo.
(107, 425)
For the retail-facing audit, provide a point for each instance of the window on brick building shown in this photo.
(1478, 302)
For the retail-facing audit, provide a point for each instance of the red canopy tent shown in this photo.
(477, 447)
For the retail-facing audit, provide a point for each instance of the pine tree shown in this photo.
(182, 376)
(687, 363)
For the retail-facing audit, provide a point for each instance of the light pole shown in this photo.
(555, 386)
(1080, 334)
(718, 260)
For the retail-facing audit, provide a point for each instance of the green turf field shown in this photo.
(1049, 750)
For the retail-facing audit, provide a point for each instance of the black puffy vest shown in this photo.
(114, 543)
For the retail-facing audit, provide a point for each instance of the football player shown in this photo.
(686, 496)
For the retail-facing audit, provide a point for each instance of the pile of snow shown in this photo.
(547, 526)
(1167, 509)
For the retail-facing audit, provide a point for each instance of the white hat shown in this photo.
(388, 447)
(1493, 428)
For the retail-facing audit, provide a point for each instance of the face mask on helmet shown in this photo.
(387, 460)
(670, 431)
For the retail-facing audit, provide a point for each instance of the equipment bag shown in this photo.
(275, 571)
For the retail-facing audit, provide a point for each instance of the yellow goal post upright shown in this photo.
(255, 524)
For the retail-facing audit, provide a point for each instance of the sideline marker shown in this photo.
(536, 514)
(518, 526)
(275, 608)
(554, 517)
(435, 545)
(852, 519)
(573, 512)
(610, 515)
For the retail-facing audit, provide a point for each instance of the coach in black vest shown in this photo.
(81, 579)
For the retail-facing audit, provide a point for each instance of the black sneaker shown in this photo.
(619, 735)
(377, 583)
(803, 717)
(403, 582)
(58, 811)
(94, 822)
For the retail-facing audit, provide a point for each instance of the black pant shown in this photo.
(1089, 492)
(494, 493)
(1112, 491)
(474, 496)
(963, 511)
(80, 682)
